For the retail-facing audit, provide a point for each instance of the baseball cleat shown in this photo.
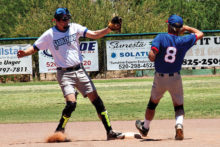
(179, 132)
(112, 135)
(140, 126)
(60, 130)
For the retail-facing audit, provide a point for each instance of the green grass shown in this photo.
(125, 99)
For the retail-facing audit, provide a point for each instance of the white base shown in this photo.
(132, 135)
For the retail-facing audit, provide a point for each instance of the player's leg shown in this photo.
(67, 111)
(66, 82)
(179, 115)
(157, 91)
(100, 108)
(103, 115)
(176, 92)
(87, 88)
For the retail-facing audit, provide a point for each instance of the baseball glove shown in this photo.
(115, 24)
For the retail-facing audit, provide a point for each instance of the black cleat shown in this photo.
(115, 135)
(140, 126)
(179, 132)
(60, 130)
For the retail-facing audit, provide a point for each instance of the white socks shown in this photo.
(146, 124)
(179, 119)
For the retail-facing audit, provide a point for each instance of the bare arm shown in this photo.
(198, 33)
(27, 52)
(97, 34)
(152, 55)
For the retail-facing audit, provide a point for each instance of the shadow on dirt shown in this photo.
(150, 139)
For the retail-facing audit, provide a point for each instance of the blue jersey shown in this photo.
(171, 51)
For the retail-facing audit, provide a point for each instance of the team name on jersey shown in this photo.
(65, 40)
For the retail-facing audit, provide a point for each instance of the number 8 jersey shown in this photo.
(171, 51)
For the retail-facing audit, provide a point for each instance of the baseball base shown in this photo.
(132, 135)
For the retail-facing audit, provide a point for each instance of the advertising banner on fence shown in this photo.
(10, 64)
(89, 50)
(133, 54)
(206, 53)
(128, 54)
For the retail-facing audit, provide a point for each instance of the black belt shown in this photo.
(73, 68)
(169, 74)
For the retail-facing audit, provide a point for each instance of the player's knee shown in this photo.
(179, 110)
(99, 105)
(151, 105)
(69, 108)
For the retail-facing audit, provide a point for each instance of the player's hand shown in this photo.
(21, 54)
(115, 24)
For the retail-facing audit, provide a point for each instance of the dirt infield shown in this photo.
(198, 133)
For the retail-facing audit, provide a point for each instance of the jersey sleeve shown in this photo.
(42, 43)
(81, 30)
(189, 40)
(156, 43)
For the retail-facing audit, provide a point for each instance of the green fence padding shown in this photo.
(183, 72)
(217, 71)
(197, 72)
(186, 72)
(138, 74)
(148, 72)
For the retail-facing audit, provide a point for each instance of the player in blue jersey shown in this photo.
(167, 52)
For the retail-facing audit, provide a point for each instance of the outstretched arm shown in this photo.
(27, 52)
(113, 25)
(97, 34)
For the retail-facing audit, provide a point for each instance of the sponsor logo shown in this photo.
(134, 54)
(65, 40)
(113, 55)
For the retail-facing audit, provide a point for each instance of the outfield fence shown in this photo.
(103, 71)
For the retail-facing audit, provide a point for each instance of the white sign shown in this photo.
(128, 54)
(89, 50)
(133, 54)
(10, 64)
(206, 53)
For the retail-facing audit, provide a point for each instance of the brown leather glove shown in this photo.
(115, 24)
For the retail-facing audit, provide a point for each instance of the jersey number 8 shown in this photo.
(170, 55)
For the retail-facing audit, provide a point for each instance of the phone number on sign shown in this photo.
(13, 69)
(52, 64)
(136, 66)
(210, 61)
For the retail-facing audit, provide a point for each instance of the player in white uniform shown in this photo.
(63, 42)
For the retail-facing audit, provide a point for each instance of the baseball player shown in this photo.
(63, 42)
(167, 52)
